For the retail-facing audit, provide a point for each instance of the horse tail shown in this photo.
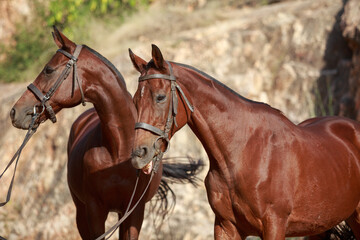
(175, 170)
(342, 232)
(182, 170)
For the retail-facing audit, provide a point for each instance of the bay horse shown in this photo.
(268, 177)
(100, 175)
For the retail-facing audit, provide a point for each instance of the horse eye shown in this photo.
(48, 70)
(160, 98)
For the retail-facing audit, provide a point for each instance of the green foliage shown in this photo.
(325, 100)
(30, 44)
(71, 16)
(69, 12)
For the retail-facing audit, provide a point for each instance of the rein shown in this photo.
(45, 106)
(164, 134)
(64, 74)
(16, 156)
(128, 212)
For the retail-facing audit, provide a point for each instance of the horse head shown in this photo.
(162, 106)
(53, 88)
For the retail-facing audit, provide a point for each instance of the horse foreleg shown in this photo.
(130, 228)
(224, 229)
(96, 217)
(274, 227)
(81, 217)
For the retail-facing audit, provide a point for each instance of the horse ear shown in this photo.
(61, 40)
(157, 57)
(138, 62)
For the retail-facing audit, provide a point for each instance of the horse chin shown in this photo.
(140, 163)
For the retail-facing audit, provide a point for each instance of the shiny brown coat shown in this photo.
(100, 175)
(268, 177)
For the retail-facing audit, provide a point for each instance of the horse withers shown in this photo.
(100, 175)
(268, 177)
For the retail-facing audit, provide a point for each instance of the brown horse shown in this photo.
(100, 175)
(268, 177)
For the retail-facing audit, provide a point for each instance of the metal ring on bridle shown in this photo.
(167, 142)
(42, 109)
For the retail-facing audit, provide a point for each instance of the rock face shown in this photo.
(12, 12)
(339, 93)
(350, 26)
(277, 54)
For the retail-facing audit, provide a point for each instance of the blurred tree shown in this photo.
(71, 16)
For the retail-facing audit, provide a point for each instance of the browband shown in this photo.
(173, 105)
(170, 77)
(64, 74)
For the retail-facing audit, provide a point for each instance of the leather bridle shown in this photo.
(162, 135)
(45, 106)
(171, 118)
(64, 74)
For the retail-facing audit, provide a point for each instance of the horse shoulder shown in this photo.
(80, 126)
(80, 141)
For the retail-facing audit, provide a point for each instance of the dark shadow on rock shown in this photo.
(333, 84)
(334, 94)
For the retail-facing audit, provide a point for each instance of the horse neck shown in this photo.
(220, 114)
(114, 106)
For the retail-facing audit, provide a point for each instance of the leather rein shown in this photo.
(46, 106)
(171, 118)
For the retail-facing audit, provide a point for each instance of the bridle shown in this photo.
(36, 114)
(162, 135)
(64, 74)
(45, 106)
(171, 118)
(33, 127)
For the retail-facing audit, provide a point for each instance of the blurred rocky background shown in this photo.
(300, 56)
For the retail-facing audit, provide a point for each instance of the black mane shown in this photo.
(107, 63)
(217, 81)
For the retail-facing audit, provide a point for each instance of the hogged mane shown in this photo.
(107, 63)
(223, 85)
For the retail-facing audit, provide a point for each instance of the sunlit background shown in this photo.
(300, 56)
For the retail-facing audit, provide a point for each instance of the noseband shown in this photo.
(44, 98)
(164, 134)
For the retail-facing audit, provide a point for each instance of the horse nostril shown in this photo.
(141, 152)
(12, 113)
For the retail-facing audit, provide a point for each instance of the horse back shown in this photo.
(338, 129)
(328, 171)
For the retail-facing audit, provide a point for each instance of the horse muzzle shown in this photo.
(21, 118)
(142, 157)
